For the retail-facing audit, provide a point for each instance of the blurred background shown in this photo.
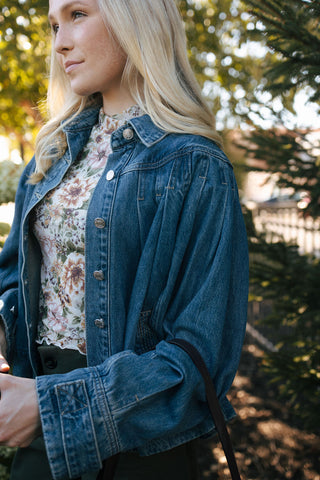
(258, 62)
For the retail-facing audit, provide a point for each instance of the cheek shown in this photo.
(105, 47)
(109, 59)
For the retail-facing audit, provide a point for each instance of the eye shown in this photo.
(77, 14)
(55, 28)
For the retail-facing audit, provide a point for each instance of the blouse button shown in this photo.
(128, 134)
(110, 175)
(99, 223)
(98, 275)
(50, 363)
(99, 323)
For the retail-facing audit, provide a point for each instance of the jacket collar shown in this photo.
(147, 131)
(85, 120)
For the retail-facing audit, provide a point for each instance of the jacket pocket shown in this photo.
(147, 338)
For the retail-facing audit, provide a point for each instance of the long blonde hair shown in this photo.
(157, 74)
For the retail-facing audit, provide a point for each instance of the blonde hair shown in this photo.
(157, 74)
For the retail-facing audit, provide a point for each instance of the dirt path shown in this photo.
(268, 445)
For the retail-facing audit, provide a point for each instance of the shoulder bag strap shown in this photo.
(214, 405)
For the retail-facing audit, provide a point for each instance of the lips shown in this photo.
(71, 65)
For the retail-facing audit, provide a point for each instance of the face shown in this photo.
(91, 58)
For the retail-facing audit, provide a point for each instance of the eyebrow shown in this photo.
(66, 6)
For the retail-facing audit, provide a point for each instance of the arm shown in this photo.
(9, 275)
(21, 424)
(19, 411)
(152, 401)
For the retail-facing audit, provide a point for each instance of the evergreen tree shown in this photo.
(278, 272)
(292, 158)
(292, 31)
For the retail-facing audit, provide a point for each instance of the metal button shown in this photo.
(98, 275)
(110, 175)
(99, 223)
(99, 323)
(128, 134)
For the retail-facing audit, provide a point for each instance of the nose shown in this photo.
(63, 40)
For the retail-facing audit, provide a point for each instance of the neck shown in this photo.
(113, 104)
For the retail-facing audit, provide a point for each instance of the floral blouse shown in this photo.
(59, 226)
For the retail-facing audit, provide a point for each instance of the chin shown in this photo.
(82, 90)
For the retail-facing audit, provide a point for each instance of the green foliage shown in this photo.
(9, 178)
(292, 282)
(292, 31)
(4, 228)
(6, 456)
(217, 37)
(293, 156)
(9, 175)
(4, 231)
(278, 273)
(23, 51)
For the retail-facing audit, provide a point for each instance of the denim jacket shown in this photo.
(165, 229)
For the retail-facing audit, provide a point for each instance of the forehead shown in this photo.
(56, 6)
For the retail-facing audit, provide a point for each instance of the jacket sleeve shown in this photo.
(9, 274)
(153, 401)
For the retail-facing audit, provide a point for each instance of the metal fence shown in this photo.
(288, 223)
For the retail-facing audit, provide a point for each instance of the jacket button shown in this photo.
(110, 175)
(50, 363)
(99, 223)
(98, 275)
(128, 134)
(99, 323)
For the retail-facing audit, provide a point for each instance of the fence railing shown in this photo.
(288, 223)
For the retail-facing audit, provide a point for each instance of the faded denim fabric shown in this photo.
(165, 227)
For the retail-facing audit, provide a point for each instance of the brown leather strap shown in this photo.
(213, 402)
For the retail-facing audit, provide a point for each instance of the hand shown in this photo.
(4, 367)
(19, 411)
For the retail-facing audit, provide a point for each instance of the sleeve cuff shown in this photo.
(75, 427)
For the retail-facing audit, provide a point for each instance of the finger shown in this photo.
(4, 366)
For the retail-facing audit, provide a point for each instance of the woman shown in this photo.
(127, 233)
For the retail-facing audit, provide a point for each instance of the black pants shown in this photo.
(31, 463)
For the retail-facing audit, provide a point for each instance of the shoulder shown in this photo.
(194, 145)
(191, 155)
(161, 145)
